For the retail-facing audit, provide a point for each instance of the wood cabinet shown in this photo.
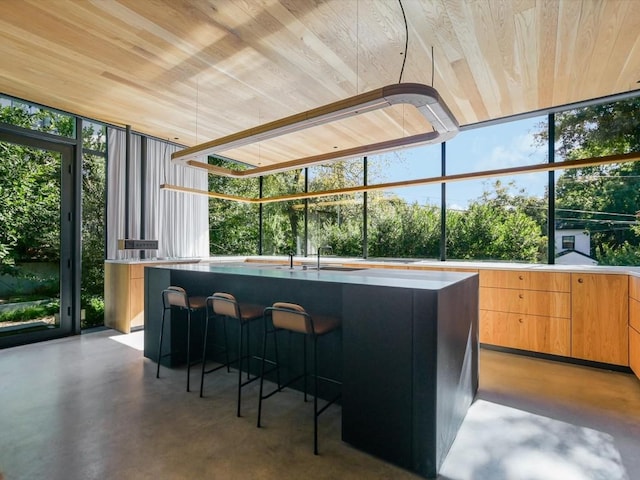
(123, 296)
(526, 280)
(528, 302)
(526, 332)
(599, 322)
(526, 310)
(634, 324)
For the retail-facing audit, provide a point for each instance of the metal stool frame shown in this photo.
(176, 297)
(310, 331)
(227, 307)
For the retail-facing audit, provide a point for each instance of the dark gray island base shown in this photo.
(409, 344)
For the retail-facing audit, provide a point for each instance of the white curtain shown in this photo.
(179, 221)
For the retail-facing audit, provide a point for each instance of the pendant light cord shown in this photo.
(406, 40)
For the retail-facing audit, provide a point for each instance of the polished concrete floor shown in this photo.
(90, 407)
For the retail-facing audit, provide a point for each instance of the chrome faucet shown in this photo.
(291, 254)
(325, 248)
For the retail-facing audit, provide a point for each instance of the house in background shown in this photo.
(573, 247)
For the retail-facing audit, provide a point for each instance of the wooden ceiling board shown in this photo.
(547, 31)
(619, 58)
(196, 70)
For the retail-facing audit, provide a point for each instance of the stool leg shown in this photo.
(188, 348)
(304, 364)
(275, 345)
(315, 395)
(160, 343)
(204, 352)
(264, 356)
(240, 355)
(248, 350)
(226, 343)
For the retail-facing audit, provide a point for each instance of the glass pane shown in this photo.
(507, 221)
(597, 208)
(29, 239)
(26, 115)
(93, 224)
(283, 221)
(599, 205)
(336, 221)
(502, 218)
(404, 222)
(233, 226)
(399, 228)
(598, 130)
(506, 145)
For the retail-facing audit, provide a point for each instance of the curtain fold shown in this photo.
(179, 221)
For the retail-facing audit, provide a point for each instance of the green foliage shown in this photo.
(93, 306)
(399, 229)
(599, 130)
(233, 226)
(30, 313)
(30, 196)
(283, 221)
(45, 120)
(626, 254)
(93, 223)
(500, 225)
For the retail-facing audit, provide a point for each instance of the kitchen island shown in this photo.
(407, 354)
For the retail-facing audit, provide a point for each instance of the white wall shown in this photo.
(582, 240)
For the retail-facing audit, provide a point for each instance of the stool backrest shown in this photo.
(175, 297)
(291, 316)
(224, 304)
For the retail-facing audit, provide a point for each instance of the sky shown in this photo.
(501, 146)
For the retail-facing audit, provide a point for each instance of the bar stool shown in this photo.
(176, 297)
(226, 306)
(293, 318)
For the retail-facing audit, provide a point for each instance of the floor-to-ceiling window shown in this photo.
(94, 158)
(489, 215)
(36, 223)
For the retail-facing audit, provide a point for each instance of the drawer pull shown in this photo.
(521, 277)
(580, 280)
(520, 295)
(520, 320)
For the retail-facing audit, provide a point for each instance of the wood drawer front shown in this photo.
(526, 332)
(526, 280)
(529, 302)
(634, 351)
(634, 287)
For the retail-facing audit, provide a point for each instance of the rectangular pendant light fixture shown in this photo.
(424, 98)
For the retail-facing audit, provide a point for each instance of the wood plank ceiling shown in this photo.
(196, 70)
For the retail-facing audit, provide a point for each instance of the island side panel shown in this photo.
(457, 361)
(376, 398)
(424, 354)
